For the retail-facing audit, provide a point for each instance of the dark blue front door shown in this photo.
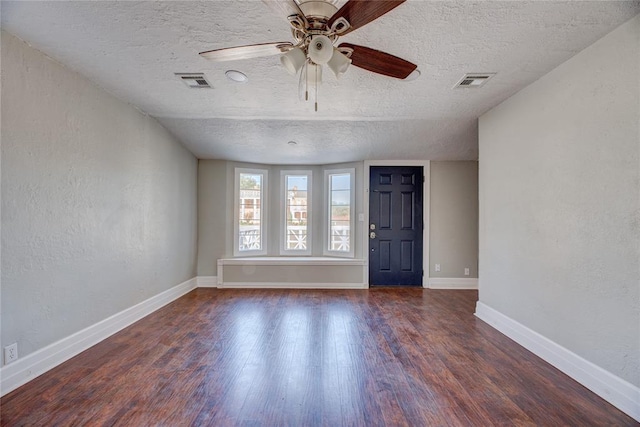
(395, 225)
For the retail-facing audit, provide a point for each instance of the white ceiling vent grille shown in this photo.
(474, 80)
(194, 80)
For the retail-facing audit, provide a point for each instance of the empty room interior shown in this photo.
(320, 212)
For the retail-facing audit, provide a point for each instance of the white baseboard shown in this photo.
(620, 393)
(37, 363)
(293, 285)
(207, 281)
(453, 283)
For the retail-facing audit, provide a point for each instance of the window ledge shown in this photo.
(291, 260)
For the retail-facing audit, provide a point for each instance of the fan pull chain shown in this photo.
(316, 69)
(306, 83)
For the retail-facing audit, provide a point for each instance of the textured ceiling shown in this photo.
(133, 49)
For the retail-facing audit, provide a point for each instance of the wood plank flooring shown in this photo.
(378, 357)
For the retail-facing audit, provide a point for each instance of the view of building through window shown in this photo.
(340, 212)
(297, 211)
(250, 212)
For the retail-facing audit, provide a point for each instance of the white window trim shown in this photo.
(263, 211)
(326, 228)
(283, 213)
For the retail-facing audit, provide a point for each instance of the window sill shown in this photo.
(291, 260)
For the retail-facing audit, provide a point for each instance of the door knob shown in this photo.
(372, 235)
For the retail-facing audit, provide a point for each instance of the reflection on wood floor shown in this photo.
(308, 358)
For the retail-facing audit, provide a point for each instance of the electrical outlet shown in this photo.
(466, 271)
(11, 353)
(437, 267)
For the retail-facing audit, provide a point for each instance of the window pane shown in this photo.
(340, 212)
(340, 197)
(341, 181)
(250, 230)
(296, 207)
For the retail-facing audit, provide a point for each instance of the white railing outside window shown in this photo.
(249, 238)
(297, 238)
(340, 238)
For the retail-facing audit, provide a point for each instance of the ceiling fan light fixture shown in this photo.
(293, 60)
(339, 63)
(316, 25)
(320, 49)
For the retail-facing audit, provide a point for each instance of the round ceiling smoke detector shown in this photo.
(236, 76)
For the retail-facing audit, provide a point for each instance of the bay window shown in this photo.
(293, 222)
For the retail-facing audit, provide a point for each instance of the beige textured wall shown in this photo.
(560, 204)
(214, 217)
(98, 202)
(453, 219)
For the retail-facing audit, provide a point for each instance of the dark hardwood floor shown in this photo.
(390, 357)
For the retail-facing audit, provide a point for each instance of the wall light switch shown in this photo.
(361, 217)
(437, 267)
(466, 271)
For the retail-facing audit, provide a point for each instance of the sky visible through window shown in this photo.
(250, 181)
(341, 189)
(298, 181)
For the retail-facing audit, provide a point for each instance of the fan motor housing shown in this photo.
(318, 10)
(317, 14)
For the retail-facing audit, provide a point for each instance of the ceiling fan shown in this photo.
(316, 26)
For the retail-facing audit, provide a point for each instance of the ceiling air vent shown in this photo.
(474, 80)
(194, 80)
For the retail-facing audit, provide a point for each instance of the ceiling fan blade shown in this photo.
(246, 52)
(360, 12)
(379, 62)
